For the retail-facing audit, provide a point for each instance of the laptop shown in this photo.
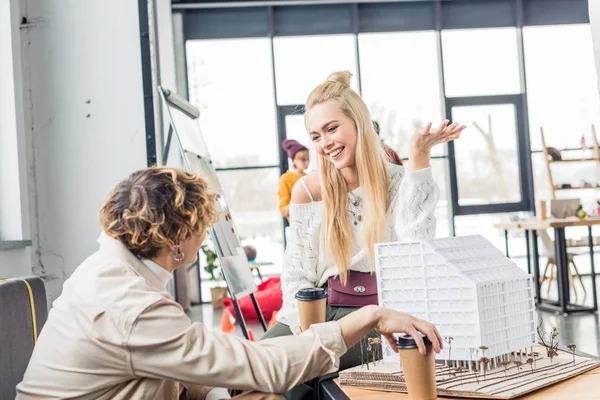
(564, 208)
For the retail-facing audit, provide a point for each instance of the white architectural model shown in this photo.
(468, 288)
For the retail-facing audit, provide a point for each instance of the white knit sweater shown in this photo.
(410, 217)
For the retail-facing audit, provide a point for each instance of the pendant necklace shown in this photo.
(356, 202)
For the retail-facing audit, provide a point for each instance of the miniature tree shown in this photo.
(483, 349)
(484, 361)
(471, 351)
(518, 364)
(505, 364)
(552, 347)
(368, 350)
(459, 370)
(362, 355)
(449, 339)
(530, 362)
(572, 347)
(374, 346)
(474, 351)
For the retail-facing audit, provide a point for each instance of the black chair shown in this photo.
(16, 328)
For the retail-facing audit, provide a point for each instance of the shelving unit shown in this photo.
(550, 159)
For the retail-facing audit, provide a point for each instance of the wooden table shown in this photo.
(531, 226)
(583, 386)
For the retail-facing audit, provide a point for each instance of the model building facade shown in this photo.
(479, 299)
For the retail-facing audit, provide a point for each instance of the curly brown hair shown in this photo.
(157, 207)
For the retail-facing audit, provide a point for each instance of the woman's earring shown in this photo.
(178, 256)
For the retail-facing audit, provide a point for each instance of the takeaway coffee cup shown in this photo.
(419, 371)
(312, 303)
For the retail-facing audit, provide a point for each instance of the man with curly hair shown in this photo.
(116, 332)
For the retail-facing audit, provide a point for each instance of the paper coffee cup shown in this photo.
(419, 371)
(312, 304)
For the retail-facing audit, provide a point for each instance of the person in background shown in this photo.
(390, 154)
(116, 332)
(299, 156)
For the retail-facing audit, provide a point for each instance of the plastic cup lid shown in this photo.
(311, 294)
(405, 341)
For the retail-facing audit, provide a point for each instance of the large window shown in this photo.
(488, 168)
(304, 62)
(252, 195)
(563, 99)
(487, 157)
(400, 84)
(562, 89)
(231, 81)
(248, 90)
(481, 62)
(232, 84)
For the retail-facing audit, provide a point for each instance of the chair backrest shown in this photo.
(547, 242)
(17, 328)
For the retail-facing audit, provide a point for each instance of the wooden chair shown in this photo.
(551, 264)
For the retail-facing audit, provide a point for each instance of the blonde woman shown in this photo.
(354, 200)
(115, 332)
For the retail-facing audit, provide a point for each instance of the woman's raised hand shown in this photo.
(426, 138)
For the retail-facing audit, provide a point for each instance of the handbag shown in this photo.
(360, 290)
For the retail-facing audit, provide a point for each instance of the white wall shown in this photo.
(84, 74)
(71, 124)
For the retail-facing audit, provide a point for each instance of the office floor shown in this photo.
(583, 330)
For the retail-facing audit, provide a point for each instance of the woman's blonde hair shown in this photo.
(157, 207)
(372, 175)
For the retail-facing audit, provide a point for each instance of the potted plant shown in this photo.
(218, 293)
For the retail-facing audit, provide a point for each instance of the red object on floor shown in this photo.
(269, 299)
(226, 325)
(273, 320)
(251, 335)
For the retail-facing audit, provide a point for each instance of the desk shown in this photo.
(560, 248)
(583, 386)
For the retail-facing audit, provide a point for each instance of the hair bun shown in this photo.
(341, 77)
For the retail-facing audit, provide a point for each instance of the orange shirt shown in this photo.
(286, 183)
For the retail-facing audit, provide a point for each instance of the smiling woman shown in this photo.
(354, 200)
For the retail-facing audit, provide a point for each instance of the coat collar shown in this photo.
(116, 250)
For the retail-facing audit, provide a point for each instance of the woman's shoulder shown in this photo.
(300, 194)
